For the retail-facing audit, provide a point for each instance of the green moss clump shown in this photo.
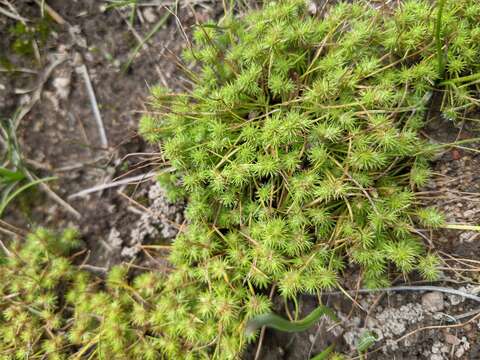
(51, 309)
(23, 36)
(298, 149)
(32, 308)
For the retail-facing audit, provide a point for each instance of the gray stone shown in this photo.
(149, 15)
(452, 339)
(433, 301)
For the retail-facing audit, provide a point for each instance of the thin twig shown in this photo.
(153, 154)
(179, 23)
(126, 181)
(93, 101)
(411, 288)
(461, 227)
(147, 38)
(467, 314)
(53, 14)
(15, 230)
(22, 70)
(144, 210)
(5, 249)
(12, 15)
(93, 268)
(132, 29)
(54, 195)
(262, 331)
(259, 347)
(38, 91)
(79, 165)
(432, 327)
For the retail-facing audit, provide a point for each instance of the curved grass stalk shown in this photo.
(276, 322)
(17, 192)
(324, 355)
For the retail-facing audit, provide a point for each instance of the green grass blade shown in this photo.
(152, 32)
(9, 176)
(120, 3)
(21, 189)
(324, 354)
(276, 322)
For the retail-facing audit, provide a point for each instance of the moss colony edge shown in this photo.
(299, 153)
(298, 149)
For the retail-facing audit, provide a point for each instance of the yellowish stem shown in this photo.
(461, 227)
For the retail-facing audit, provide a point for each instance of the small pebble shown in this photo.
(452, 339)
(433, 301)
(149, 15)
(312, 8)
(62, 86)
